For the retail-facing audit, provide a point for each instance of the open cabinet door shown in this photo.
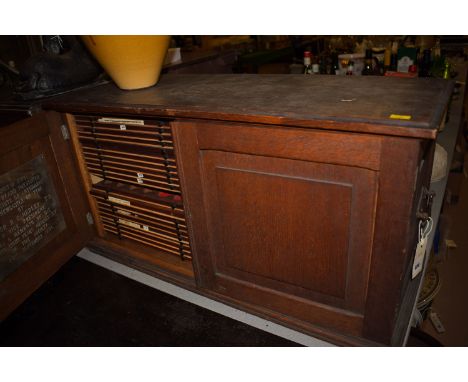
(44, 217)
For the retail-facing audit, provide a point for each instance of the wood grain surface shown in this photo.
(328, 102)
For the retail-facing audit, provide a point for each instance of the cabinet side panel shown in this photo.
(410, 285)
(394, 236)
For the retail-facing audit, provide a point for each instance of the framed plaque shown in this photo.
(30, 213)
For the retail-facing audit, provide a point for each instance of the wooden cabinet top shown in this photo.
(380, 105)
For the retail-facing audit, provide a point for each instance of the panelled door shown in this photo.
(43, 208)
(283, 218)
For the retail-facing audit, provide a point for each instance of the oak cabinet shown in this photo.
(236, 188)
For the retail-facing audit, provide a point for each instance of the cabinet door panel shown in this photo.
(286, 225)
(42, 207)
(272, 225)
(291, 236)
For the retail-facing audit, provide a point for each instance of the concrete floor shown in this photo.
(202, 301)
(451, 303)
(88, 305)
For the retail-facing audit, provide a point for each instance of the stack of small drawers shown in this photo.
(135, 180)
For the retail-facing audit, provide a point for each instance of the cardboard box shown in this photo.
(406, 58)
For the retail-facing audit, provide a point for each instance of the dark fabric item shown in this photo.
(57, 70)
(86, 305)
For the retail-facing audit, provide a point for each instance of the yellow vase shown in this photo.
(133, 62)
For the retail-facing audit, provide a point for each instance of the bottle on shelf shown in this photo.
(350, 69)
(394, 57)
(387, 58)
(436, 50)
(307, 62)
(446, 74)
(315, 65)
(367, 70)
(437, 61)
(335, 68)
(394, 62)
(425, 64)
(323, 67)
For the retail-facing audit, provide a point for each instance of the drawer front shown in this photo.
(131, 151)
(154, 224)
